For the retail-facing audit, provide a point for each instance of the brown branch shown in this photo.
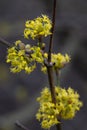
(52, 30)
(40, 41)
(18, 124)
(5, 42)
(49, 64)
(49, 67)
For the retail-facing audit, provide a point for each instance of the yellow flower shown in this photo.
(24, 58)
(37, 54)
(40, 26)
(19, 60)
(67, 104)
(58, 60)
(29, 69)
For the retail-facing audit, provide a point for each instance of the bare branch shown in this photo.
(49, 65)
(52, 31)
(20, 125)
(5, 42)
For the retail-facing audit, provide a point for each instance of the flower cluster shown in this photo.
(24, 57)
(58, 60)
(67, 103)
(40, 26)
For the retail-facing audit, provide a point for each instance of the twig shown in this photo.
(49, 64)
(40, 41)
(18, 124)
(57, 76)
(51, 81)
(52, 31)
(5, 42)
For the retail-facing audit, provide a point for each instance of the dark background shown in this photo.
(18, 92)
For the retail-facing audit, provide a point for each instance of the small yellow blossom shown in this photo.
(19, 60)
(37, 54)
(40, 26)
(58, 60)
(67, 104)
(17, 42)
(20, 45)
(24, 58)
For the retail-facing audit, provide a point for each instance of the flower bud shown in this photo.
(21, 46)
(27, 48)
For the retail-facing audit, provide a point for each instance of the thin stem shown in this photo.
(40, 41)
(18, 124)
(58, 126)
(49, 64)
(5, 42)
(57, 76)
(52, 31)
(51, 83)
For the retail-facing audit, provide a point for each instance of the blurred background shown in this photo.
(18, 92)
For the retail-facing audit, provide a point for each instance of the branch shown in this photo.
(52, 31)
(5, 42)
(18, 124)
(49, 64)
(51, 80)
